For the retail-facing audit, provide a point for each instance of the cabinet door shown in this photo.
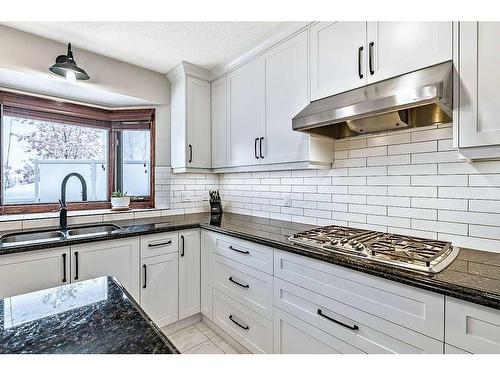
(246, 113)
(401, 47)
(189, 272)
(207, 245)
(287, 94)
(198, 123)
(159, 291)
(337, 63)
(27, 272)
(294, 336)
(479, 102)
(219, 120)
(118, 258)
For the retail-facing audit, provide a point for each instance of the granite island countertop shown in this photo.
(95, 316)
(474, 276)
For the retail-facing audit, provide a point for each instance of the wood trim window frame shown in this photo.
(60, 109)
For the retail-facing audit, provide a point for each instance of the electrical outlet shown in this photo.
(287, 200)
(185, 197)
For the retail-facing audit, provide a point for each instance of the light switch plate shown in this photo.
(185, 197)
(287, 200)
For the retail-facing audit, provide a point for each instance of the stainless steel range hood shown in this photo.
(419, 98)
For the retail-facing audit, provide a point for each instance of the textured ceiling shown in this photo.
(158, 46)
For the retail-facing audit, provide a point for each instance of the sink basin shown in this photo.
(92, 230)
(31, 237)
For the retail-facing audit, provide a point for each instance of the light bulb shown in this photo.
(70, 76)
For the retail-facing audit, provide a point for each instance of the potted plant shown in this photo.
(119, 201)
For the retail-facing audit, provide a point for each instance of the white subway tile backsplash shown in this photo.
(386, 140)
(368, 152)
(413, 191)
(444, 227)
(445, 180)
(388, 160)
(412, 148)
(440, 203)
(419, 213)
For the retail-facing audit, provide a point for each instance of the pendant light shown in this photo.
(65, 66)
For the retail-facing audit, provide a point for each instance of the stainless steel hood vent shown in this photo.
(419, 98)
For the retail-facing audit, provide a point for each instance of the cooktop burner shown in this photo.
(413, 253)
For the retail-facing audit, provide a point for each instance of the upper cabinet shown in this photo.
(218, 98)
(477, 103)
(262, 97)
(395, 48)
(338, 57)
(246, 113)
(347, 55)
(190, 118)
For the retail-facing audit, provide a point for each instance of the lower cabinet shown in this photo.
(294, 336)
(118, 258)
(28, 272)
(248, 328)
(189, 272)
(207, 246)
(472, 328)
(159, 289)
(352, 327)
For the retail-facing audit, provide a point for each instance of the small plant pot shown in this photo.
(120, 203)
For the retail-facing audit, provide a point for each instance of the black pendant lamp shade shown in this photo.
(65, 66)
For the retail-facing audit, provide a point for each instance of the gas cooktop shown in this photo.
(413, 253)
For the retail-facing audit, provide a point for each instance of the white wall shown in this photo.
(25, 59)
(409, 182)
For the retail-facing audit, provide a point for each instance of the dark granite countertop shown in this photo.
(88, 317)
(474, 276)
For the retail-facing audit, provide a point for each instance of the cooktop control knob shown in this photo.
(343, 240)
(359, 246)
(334, 242)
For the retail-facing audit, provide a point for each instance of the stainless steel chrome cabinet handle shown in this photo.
(260, 148)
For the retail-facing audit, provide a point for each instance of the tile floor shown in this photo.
(200, 339)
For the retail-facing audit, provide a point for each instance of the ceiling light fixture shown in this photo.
(66, 67)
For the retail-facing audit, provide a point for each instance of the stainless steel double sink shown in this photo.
(41, 236)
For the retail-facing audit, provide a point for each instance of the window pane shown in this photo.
(37, 155)
(136, 162)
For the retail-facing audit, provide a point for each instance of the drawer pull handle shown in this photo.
(64, 267)
(239, 251)
(76, 265)
(145, 276)
(237, 283)
(352, 328)
(182, 249)
(169, 242)
(238, 324)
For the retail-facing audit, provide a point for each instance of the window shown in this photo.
(43, 141)
(39, 154)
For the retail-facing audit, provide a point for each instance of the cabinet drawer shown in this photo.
(159, 244)
(248, 253)
(249, 329)
(472, 327)
(250, 287)
(294, 336)
(359, 329)
(407, 306)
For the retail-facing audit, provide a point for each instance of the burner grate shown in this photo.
(407, 248)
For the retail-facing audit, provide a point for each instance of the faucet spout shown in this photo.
(63, 211)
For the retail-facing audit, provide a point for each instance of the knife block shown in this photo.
(215, 207)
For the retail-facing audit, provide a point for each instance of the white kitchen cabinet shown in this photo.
(477, 103)
(218, 97)
(31, 271)
(294, 336)
(395, 48)
(472, 328)
(189, 272)
(118, 258)
(246, 113)
(207, 245)
(287, 93)
(190, 119)
(159, 289)
(347, 55)
(338, 57)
